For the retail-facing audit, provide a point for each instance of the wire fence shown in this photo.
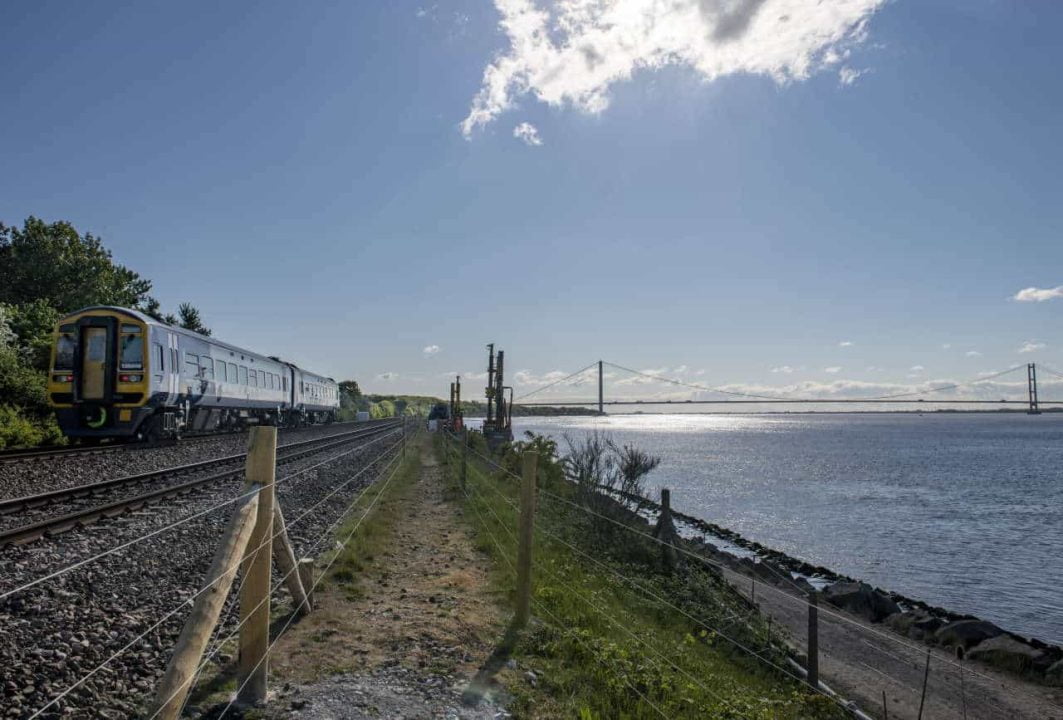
(388, 456)
(892, 675)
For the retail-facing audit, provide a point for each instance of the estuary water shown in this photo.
(964, 511)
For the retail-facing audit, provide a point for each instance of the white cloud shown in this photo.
(786, 369)
(834, 370)
(973, 353)
(1031, 346)
(526, 377)
(848, 75)
(430, 350)
(917, 368)
(528, 134)
(642, 379)
(387, 376)
(573, 52)
(845, 343)
(1032, 294)
(946, 346)
(680, 370)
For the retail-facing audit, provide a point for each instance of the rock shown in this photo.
(532, 678)
(966, 633)
(298, 704)
(861, 599)
(1008, 653)
(1054, 674)
(916, 624)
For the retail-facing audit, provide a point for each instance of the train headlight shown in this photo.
(130, 378)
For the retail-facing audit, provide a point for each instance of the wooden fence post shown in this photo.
(177, 682)
(665, 530)
(285, 556)
(813, 640)
(926, 677)
(525, 536)
(306, 577)
(254, 591)
(464, 456)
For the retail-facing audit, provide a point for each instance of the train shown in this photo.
(117, 373)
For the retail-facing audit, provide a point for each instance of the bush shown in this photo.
(19, 431)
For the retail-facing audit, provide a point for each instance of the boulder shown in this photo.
(1008, 653)
(861, 599)
(771, 573)
(966, 633)
(1054, 674)
(916, 623)
(804, 585)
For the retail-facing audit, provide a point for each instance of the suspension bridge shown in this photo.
(726, 396)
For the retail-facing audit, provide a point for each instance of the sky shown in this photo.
(841, 199)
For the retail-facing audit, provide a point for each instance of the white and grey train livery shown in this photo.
(119, 373)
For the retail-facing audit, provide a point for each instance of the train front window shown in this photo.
(132, 352)
(65, 348)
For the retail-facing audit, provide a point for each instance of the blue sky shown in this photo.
(718, 204)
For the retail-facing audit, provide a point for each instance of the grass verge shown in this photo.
(372, 520)
(615, 635)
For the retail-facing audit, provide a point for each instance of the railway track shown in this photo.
(61, 523)
(24, 454)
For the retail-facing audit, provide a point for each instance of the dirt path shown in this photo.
(407, 638)
(861, 664)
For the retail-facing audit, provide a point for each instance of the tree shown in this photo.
(65, 270)
(189, 319)
(25, 418)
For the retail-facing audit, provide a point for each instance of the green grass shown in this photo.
(375, 527)
(603, 648)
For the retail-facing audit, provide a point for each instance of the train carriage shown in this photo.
(119, 373)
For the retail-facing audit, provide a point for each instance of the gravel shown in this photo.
(394, 693)
(42, 474)
(58, 631)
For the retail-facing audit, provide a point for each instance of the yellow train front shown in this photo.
(117, 373)
(99, 384)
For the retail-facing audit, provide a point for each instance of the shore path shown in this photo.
(411, 636)
(860, 661)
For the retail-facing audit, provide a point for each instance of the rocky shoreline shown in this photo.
(966, 635)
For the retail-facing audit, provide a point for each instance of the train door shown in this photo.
(96, 365)
(173, 377)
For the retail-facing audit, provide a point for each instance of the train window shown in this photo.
(219, 371)
(207, 370)
(252, 378)
(243, 375)
(97, 349)
(127, 328)
(64, 351)
(233, 378)
(191, 365)
(158, 355)
(270, 379)
(132, 351)
(285, 384)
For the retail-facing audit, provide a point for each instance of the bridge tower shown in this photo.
(1031, 385)
(601, 398)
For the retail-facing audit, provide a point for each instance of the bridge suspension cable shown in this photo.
(749, 397)
(555, 382)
